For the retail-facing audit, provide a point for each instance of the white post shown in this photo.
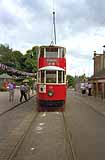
(44, 76)
(44, 52)
(57, 77)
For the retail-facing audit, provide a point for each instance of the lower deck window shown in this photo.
(42, 76)
(59, 76)
(50, 76)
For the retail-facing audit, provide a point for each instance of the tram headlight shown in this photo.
(50, 93)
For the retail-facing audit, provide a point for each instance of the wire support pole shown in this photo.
(54, 26)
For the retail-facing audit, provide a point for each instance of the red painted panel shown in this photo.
(60, 62)
(58, 90)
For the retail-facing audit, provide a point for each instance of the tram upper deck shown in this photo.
(52, 56)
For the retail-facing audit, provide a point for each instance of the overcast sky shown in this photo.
(80, 27)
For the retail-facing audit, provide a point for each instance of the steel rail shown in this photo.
(71, 154)
(21, 140)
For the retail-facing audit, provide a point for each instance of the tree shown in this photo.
(31, 59)
(17, 60)
(5, 52)
(71, 80)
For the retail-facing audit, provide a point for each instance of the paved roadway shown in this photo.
(87, 126)
(46, 139)
(13, 125)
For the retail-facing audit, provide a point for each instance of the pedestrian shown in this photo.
(27, 90)
(89, 89)
(23, 92)
(83, 88)
(14, 85)
(11, 91)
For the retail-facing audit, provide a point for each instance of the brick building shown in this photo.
(98, 79)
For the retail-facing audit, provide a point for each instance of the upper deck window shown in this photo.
(61, 53)
(51, 52)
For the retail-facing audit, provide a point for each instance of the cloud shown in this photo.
(7, 19)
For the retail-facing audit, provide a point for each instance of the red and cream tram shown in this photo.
(51, 78)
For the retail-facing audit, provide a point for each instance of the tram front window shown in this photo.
(50, 76)
(51, 52)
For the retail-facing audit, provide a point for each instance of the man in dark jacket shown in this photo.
(23, 91)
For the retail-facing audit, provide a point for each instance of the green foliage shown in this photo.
(71, 81)
(5, 53)
(82, 78)
(29, 63)
(15, 59)
(31, 59)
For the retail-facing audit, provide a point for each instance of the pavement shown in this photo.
(97, 103)
(5, 104)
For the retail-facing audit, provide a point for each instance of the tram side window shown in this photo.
(59, 77)
(42, 52)
(50, 76)
(64, 77)
(61, 53)
(42, 76)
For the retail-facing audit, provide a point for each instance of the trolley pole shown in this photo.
(54, 26)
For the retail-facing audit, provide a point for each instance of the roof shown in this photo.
(5, 76)
(45, 46)
(51, 68)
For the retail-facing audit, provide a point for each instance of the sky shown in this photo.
(80, 27)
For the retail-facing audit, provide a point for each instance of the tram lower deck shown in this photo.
(51, 96)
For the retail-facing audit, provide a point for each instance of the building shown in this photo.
(98, 79)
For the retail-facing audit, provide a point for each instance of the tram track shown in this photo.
(71, 154)
(17, 147)
(12, 108)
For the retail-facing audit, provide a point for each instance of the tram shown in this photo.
(51, 78)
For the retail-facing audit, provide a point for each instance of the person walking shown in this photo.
(83, 88)
(11, 91)
(23, 90)
(89, 89)
(27, 90)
